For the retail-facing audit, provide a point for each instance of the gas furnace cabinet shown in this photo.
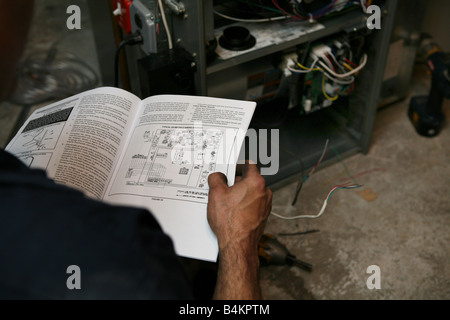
(347, 124)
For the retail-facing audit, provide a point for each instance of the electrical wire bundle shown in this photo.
(334, 6)
(52, 75)
(324, 205)
(338, 71)
(303, 180)
(330, 193)
(293, 10)
(247, 9)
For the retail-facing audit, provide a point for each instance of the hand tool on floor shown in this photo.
(425, 112)
(271, 251)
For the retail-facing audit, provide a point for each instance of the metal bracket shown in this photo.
(175, 6)
(143, 20)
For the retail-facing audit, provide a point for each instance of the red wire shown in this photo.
(317, 164)
(319, 14)
(285, 12)
(329, 59)
(351, 88)
(325, 10)
(351, 63)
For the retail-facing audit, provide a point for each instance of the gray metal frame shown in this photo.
(301, 142)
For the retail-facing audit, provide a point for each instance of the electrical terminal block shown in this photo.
(289, 61)
(320, 51)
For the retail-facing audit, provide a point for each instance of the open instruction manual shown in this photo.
(156, 153)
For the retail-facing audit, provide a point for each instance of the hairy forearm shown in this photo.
(238, 215)
(238, 275)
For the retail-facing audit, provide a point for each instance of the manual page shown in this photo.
(175, 143)
(156, 153)
(78, 140)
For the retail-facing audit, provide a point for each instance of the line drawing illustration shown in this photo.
(174, 158)
(36, 139)
(36, 160)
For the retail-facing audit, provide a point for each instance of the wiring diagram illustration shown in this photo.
(42, 133)
(36, 160)
(174, 157)
(38, 139)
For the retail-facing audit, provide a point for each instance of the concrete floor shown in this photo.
(49, 26)
(399, 220)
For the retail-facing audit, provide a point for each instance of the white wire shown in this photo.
(335, 60)
(326, 61)
(345, 75)
(321, 156)
(322, 210)
(163, 16)
(303, 70)
(310, 69)
(363, 5)
(298, 70)
(344, 78)
(326, 200)
(251, 20)
(340, 81)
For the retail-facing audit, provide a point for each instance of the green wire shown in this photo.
(345, 166)
(349, 187)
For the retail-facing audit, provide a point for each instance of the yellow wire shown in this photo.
(308, 69)
(324, 92)
(348, 66)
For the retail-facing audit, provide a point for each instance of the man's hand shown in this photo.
(238, 215)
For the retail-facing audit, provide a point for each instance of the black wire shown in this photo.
(300, 180)
(298, 233)
(134, 39)
(297, 191)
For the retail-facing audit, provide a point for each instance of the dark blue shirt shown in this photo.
(45, 227)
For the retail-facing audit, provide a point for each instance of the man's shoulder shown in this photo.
(121, 251)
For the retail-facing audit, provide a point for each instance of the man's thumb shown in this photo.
(217, 179)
